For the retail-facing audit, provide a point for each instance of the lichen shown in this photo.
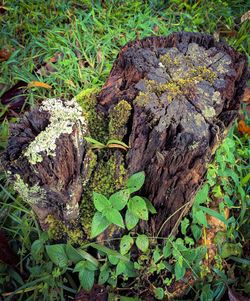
(118, 118)
(184, 75)
(63, 116)
(32, 194)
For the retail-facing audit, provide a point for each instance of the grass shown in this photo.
(83, 38)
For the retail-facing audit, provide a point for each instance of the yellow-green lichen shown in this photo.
(200, 73)
(32, 194)
(179, 85)
(63, 116)
(118, 118)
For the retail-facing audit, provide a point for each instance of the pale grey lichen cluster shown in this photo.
(31, 195)
(63, 116)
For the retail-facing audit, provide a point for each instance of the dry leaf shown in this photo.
(114, 145)
(39, 85)
(155, 28)
(243, 128)
(245, 17)
(99, 56)
(4, 55)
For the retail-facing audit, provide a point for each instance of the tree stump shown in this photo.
(171, 99)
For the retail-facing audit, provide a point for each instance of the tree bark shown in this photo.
(178, 96)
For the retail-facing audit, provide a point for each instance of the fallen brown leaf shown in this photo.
(99, 56)
(39, 84)
(246, 96)
(4, 55)
(243, 128)
(245, 17)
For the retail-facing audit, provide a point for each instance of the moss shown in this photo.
(63, 116)
(96, 120)
(58, 230)
(31, 195)
(108, 175)
(118, 118)
(89, 164)
(106, 179)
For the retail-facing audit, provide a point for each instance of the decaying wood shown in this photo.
(184, 91)
(52, 185)
(172, 141)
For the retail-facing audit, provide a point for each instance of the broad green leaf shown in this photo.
(136, 181)
(131, 220)
(196, 230)
(120, 268)
(113, 259)
(156, 254)
(126, 268)
(138, 207)
(92, 266)
(159, 293)
(87, 278)
(37, 248)
(126, 244)
(179, 271)
(142, 242)
(57, 255)
(72, 254)
(231, 249)
(184, 225)
(81, 265)
(103, 276)
(100, 202)
(202, 195)
(167, 249)
(214, 214)
(119, 199)
(114, 217)
(150, 207)
(189, 241)
(99, 224)
(200, 217)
